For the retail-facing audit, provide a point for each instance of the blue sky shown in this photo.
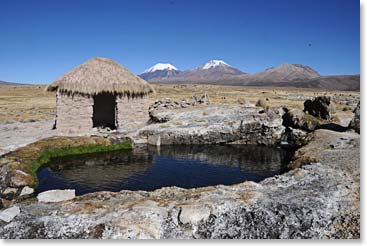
(41, 40)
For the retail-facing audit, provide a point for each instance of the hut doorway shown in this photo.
(104, 110)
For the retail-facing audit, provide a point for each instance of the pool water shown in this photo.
(149, 168)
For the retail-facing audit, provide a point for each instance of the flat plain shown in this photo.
(27, 103)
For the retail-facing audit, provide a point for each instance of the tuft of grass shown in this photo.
(47, 154)
(261, 103)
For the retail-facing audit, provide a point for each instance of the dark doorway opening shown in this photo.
(104, 110)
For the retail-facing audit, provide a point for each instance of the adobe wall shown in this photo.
(73, 113)
(132, 112)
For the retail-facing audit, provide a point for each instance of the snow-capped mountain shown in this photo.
(214, 63)
(212, 70)
(221, 73)
(160, 70)
(160, 66)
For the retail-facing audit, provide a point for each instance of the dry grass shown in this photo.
(22, 103)
(101, 75)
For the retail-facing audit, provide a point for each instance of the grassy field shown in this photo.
(31, 102)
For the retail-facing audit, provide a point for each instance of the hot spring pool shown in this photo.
(149, 168)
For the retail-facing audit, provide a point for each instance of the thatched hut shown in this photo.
(100, 93)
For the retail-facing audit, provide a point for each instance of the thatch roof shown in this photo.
(99, 75)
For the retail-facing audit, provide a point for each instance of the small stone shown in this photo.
(5, 203)
(249, 105)
(19, 178)
(9, 193)
(9, 214)
(56, 195)
(26, 191)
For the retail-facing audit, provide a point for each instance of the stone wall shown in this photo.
(132, 112)
(73, 113)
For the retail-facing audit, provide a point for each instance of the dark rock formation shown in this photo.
(355, 123)
(318, 107)
(298, 119)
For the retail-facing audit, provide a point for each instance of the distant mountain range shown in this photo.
(219, 72)
(9, 83)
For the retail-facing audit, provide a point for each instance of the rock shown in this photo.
(355, 123)
(4, 203)
(216, 124)
(19, 178)
(296, 118)
(56, 196)
(168, 103)
(9, 214)
(249, 105)
(316, 201)
(318, 107)
(9, 193)
(26, 191)
(295, 137)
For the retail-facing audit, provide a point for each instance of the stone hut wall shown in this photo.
(73, 113)
(132, 112)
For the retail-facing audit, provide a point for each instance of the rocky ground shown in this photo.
(18, 134)
(320, 200)
(215, 124)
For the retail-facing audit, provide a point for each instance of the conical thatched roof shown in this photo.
(101, 75)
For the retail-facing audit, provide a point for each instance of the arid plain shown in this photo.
(27, 103)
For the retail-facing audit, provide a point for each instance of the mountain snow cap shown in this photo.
(214, 63)
(159, 67)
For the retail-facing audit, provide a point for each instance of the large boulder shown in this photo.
(296, 118)
(215, 125)
(318, 107)
(355, 123)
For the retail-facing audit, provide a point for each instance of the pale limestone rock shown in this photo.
(56, 195)
(9, 190)
(9, 214)
(215, 124)
(26, 191)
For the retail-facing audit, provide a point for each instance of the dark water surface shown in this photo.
(149, 168)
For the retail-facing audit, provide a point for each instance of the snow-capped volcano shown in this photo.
(214, 63)
(160, 70)
(160, 67)
(213, 69)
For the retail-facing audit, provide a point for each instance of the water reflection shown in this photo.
(150, 168)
